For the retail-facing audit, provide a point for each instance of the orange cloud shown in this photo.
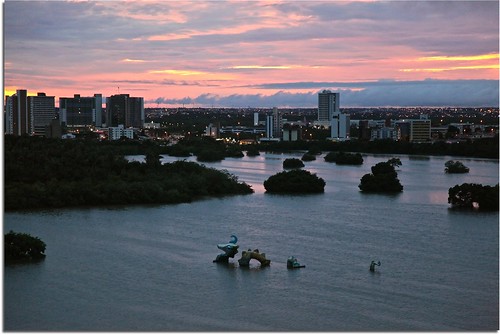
(456, 63)
(460, 58)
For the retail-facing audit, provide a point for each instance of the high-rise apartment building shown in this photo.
(328, 105)
(42, 112)
(122, 109)
(17, 118)
(340, 127)
(81, 111)
(329, 115)
(28, 115)
(420, 129)
(277, 123)
(269, 126)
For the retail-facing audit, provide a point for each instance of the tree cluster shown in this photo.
(23, 247)
(455, 167)
(292, 163)
(296, 181)
(383, 179)
(52, 173)
(469, 196)
(344, 158)
(206, 149)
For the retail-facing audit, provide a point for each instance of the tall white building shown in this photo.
(328, 105)
(329, 115)
(340, 127)
(42, 112)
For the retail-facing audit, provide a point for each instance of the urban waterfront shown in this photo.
(149, 268)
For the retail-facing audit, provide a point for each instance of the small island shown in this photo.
(292, 163)
(455, 167)
(344, 158)
(21, 247)
(307, 157)
(474, 196)
(383, 179)
(295, 181)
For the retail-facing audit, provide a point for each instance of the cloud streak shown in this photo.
(260, 51)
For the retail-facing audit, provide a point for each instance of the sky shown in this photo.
(256, 53)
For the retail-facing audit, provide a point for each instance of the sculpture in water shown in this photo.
(372, 265)
(246, 256)
(292, 263)
(230, 249)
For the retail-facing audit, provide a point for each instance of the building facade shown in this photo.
(42, 113)
(328, 106)
(28, 115)
(122, 109)
(17, 118)
(116, 133)
(81, 111)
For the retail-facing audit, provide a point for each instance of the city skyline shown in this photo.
(257, 54)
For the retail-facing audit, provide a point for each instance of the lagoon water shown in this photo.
(149, 268)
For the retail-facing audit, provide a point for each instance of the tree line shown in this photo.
(52, 173)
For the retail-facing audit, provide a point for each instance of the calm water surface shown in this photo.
(149, 268)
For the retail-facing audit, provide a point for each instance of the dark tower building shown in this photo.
(121, 109)
(17, 118)
(81, 111)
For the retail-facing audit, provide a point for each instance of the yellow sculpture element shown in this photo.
(246, 256)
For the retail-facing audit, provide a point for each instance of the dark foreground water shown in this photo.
(150, 268)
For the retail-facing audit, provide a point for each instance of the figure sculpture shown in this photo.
(292, 263)
(246, 256)
(230, 249)
(372, 266)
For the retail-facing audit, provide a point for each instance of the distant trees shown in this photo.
(252, 151)
(383, 179)
(295, 181)
(48, 173)
(292, 163)
(307, 157)
(23, 247)
(455, 167)
(344, 158)
(469, 196)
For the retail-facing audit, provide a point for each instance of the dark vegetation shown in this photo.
(295, 181)
(53, 173)
(23, 247)
(344, 158)
(206, 149)
(253, 151)
(307, 157)
(292, 163)
(455, 167)
(383, 179)
(479, 148)
(469, 196)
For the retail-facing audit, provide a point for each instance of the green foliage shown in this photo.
(210, 155)
(396, 162)
(292, 163)
(22, 247)
(468, 195)
(295, 181)
(343, 158)
(253, 151)
(455, 167)
(46, 173)
(307, 157)
(234, 151)
(383, 179)
(179, 150)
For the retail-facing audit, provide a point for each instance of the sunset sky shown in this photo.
(256, 53)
